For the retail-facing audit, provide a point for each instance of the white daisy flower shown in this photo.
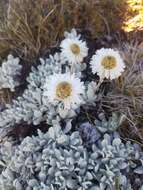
(107, 63)
(73, 50)
(65, 88)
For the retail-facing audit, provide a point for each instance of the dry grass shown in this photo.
(134, 16)
(126, 94)
(32, 26)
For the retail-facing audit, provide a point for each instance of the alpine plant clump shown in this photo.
(59, 161)
(56, 88)
(34, 106)
(10, 71)
(71, 154)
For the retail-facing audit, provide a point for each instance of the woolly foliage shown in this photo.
(91, 133)
(56, 160)
(30, 106)
(9, 72)
(33, 107)
(32, 26)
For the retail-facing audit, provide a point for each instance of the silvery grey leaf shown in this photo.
(68, 126)
(139, 170)
(72, 184)
(17, 185)
(33, 183)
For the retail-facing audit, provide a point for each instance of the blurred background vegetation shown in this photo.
(30, 27)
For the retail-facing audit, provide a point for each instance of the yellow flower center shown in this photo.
(75, 49)
(109, 62)
(63, 90)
